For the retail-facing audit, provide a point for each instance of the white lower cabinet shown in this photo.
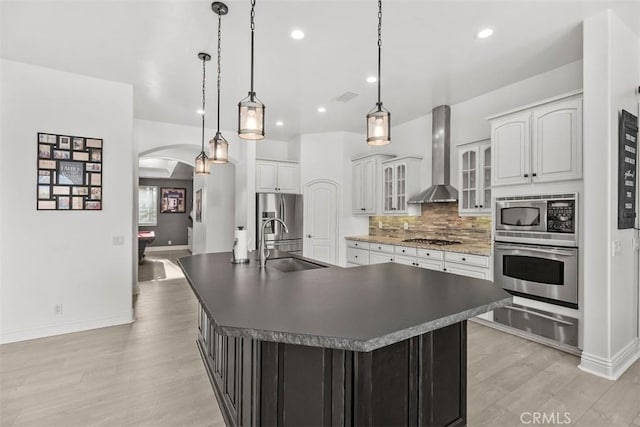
(361, 253)
(357, 256)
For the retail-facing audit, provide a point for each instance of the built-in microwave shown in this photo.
(548, 219)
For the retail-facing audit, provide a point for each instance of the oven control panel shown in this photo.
(561, 216)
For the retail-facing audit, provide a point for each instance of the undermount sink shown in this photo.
(287, 265)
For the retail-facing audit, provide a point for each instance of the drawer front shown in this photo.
(406, 251)
(379, 258)
(475, 260)
(379, 247)
(405, 260)
(357, 256)
(357, 245)
(431, 264)
(467, 270)
(430, 254)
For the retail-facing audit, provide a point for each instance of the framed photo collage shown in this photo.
(69, 172)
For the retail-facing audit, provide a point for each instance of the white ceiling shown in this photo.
(430, 56)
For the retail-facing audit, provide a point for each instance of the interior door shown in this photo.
(321, 221)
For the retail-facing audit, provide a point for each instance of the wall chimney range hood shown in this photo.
(441, 191)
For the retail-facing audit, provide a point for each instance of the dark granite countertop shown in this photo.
(359, 308)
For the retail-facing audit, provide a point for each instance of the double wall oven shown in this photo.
(536, 247)
(536, 257)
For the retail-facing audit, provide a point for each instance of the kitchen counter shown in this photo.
(381, 344)
(483, 249)
(360, 309)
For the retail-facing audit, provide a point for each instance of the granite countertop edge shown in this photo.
(461, 248)
(360, 345)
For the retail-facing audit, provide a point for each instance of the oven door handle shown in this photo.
(563, 322)
(544, 251)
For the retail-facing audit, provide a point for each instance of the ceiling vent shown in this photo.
(346, 97)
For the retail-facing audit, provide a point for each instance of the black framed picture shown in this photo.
(69, 172)
(173, 200)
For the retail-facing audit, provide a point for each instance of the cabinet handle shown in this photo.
(464, 259)
(309, 236)
(480, 205)
(379, 247)
(534, 174)
(403, 251)
(476, 206)
(444, 269)
(526, 175)
(391, 259)
(356, 256)
(428, 254)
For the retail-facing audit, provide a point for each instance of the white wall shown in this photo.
(611, 70)
(55, 257)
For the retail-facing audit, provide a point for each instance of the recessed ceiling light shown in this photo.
(372, 79)
(279, 123)
(484, 33)
(322, 110)
(297, 34)
(200, 111)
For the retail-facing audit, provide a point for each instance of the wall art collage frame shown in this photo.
(69, 172)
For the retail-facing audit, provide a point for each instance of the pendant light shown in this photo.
(202, 161)
(219, 147)
(379, 119)
(250, 109)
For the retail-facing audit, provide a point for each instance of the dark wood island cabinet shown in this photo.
(369, 346)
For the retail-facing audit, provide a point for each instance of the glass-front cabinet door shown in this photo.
(387, 187)
(475, 178)
(401, 188)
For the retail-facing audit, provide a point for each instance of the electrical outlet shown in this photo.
(57, 309)
(379, 224)
(616, 247)
(406, 225)
(169, 242)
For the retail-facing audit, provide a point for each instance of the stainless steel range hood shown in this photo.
(441, 191)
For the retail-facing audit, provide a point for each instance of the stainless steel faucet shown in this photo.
(264, 252)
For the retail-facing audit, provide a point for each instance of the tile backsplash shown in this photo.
(438, 221)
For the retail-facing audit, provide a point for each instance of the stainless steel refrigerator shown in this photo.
(287, 207)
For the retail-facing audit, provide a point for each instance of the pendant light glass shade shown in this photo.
(219, 149)
(250, 109)
(218, 146)
(251, 118)
(379, 126)
(379, 119)
(202, 164)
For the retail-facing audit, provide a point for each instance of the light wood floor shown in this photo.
(149, 373)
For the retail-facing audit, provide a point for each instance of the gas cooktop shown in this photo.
(438, 242)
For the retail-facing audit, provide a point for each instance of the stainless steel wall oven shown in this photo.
(536, 247)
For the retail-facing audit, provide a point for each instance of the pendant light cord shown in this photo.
(219, 54)
(204, 71)
(253, 30)
(379, 49)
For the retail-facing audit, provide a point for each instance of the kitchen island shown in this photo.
(303, 343)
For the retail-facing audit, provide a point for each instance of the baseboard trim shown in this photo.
(17, 335)
(613, 368)
(166, 248)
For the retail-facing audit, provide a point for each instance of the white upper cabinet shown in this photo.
(366, 195)
(474, 178)
(539, 143)
(400, 181)
(511, 140)
(557, 136)
(277, 176)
